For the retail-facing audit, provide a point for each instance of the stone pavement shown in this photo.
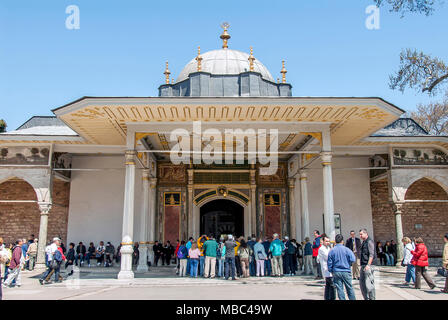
(162, 283)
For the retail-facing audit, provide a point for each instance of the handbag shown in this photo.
(442, 272)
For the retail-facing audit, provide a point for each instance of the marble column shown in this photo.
(252, 223)
(304, 203)
(398, 207)
(328, 194)
(152, 217)
(143, 244)
(292, 211)
(128, 218)
(191, 217)
(43, 229)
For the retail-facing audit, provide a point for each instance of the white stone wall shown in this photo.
(96, 200)
(351, 189)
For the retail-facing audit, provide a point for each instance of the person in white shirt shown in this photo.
(407, 257)
(100, 250)
(322, 256)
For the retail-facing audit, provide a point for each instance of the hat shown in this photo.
(56, 239)
(230, 237)
(286, 238)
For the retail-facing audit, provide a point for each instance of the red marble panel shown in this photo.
(171, 223)
(272, 220)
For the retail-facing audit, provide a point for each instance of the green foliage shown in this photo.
(2, 125)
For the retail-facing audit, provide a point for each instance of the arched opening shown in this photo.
(424, 216)
(19, 212)
(220, 217)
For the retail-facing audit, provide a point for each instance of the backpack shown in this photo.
(219, 250)
(181, 252)
(57, 256)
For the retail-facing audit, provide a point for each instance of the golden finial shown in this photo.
(167, 74)
(199, 59)
(172, 82)
(251, 60)
(225, 36)
(283, 72)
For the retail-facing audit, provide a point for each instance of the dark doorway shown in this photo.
(222, 217)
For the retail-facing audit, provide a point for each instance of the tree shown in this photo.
(433, 117)
(403, 6)
(2, 125)
(419, 70)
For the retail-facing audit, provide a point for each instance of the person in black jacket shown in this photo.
(80, 253)
(158, 252)
(354, 244)
(168, 251)
(70, 259)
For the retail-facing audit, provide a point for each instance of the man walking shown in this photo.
(366, 279)
(210, 249)
(339, 263)
(354, 244)
(32, 254)
(229, 266)
(15, 266)
(277, 247)
(324, 250)
(316, 246)
(54, 259)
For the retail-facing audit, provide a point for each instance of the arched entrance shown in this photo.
(222, 216)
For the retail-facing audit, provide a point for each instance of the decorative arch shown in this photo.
(213, 194)
(39, 179)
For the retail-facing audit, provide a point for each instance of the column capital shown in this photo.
(303, 175)
(44, 207)
(129, 156)
(145, 174)
(326, 157)
(291, 182)
(397, 207)
(152, 183)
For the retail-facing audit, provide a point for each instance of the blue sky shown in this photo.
(121, 47)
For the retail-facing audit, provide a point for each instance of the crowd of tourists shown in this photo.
(338, 263)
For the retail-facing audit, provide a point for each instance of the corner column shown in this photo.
(293, 215)
(191, 217)
(398, 207)
(253, 203)
(304, 203)
(328, 194)
(43, 229)
(152, 217)
(143, 244)
(128, 218)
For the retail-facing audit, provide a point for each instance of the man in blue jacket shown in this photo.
(339, 262)
(276, 248)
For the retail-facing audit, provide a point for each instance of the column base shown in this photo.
(125, 275)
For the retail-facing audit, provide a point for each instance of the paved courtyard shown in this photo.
(162, 283)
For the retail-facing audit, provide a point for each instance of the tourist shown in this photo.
(251, 241)
(194, 254)
(316, 246)
(31, 239)
(188, 246)
(267, 263)
(32, 254)
(118, 254)
(290, 252)
(393, 247)
(388, 251)
(175, 256)
(408, 247)
(380, 253)
(277, 247)
(366, 277)
(210, 248)
(8, 250)
(135, 254)
(70, 259)
(52, 263)
(25, 254)
(299, 254)
(90, 253)
(182, 254)
(445, 261)
(80, 254)
(229, 264)
(308, 258)
(4, 258)
(168, 251)
(239, 270)
(244, 253)
(200, 244)
(158, 251)
(15, 265)
(220, 257)
(324, 250)
(260, 257)
(339, 262)
(354, 244)
(110, 251)
(420, 261)
(99, 253)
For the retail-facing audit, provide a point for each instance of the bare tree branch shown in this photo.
(403, 6)
(433, 117)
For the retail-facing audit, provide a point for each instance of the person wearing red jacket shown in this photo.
(420, 261)
(316, 245)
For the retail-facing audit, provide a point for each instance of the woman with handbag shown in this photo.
(445, 262)
(420, 261)
(407, 257)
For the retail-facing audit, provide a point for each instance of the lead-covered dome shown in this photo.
(224, 62)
